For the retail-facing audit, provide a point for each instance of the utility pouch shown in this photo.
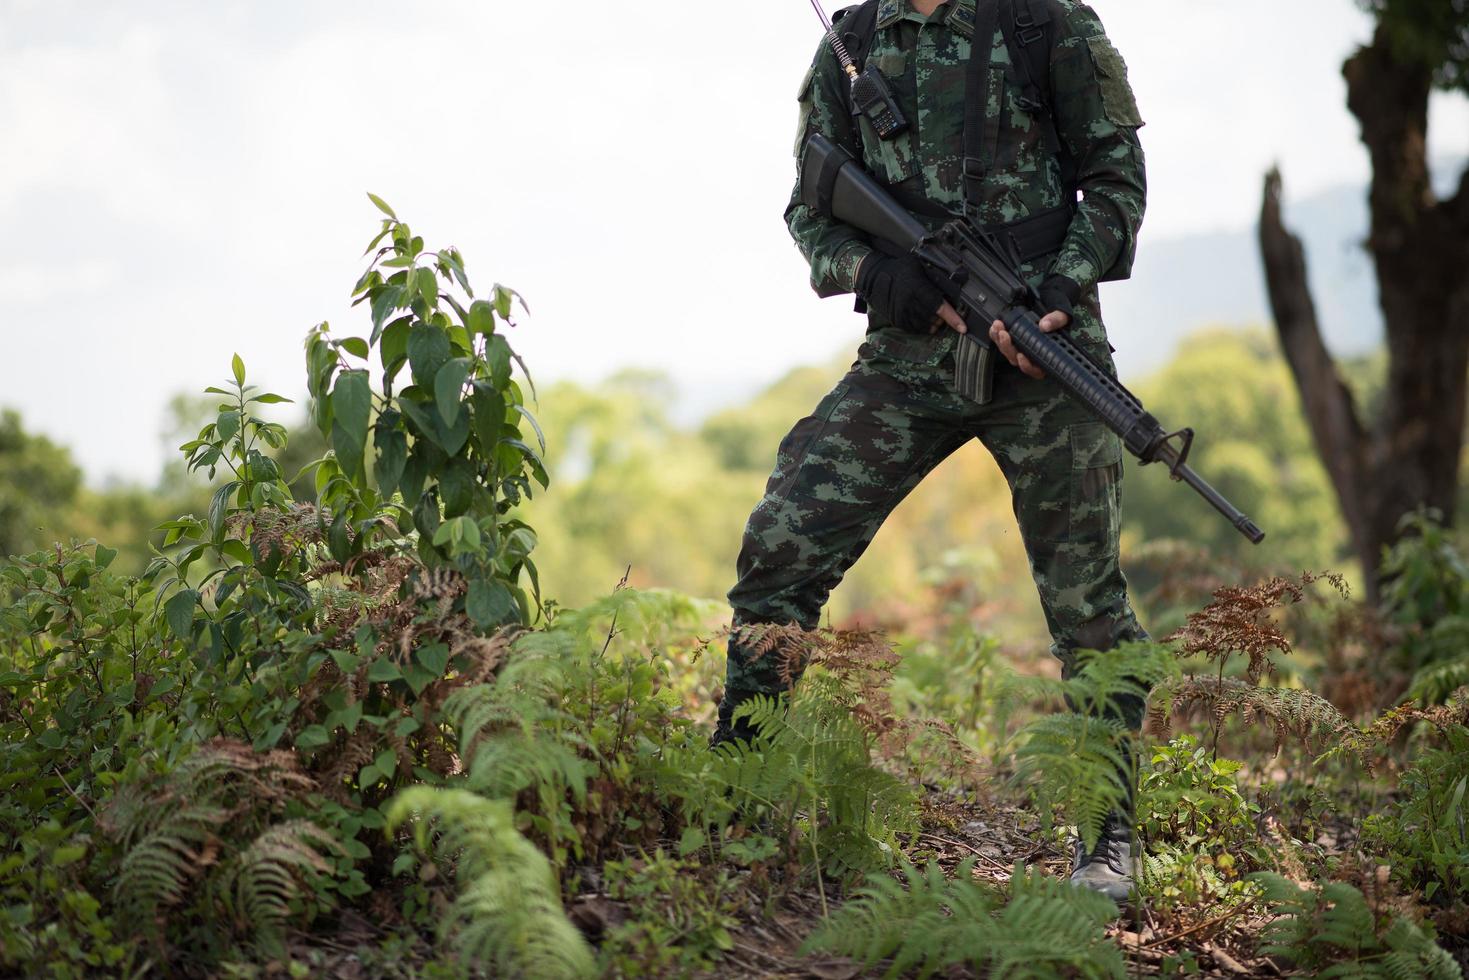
(974, 369)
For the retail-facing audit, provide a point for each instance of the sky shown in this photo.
(182, 181)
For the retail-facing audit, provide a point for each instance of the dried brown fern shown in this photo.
(1372, 740)
(1286, 712)
(1239, 620)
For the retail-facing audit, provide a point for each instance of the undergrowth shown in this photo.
(355, 723)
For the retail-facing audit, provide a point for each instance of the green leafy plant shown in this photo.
(1426, 594)
(1424, 835)
(681, 919)
(448, 451)
(1199, 831)
(1082, 762)
(812, 777)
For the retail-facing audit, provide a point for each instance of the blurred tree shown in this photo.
(1235, 389)
(38, 484)
(1408, 455)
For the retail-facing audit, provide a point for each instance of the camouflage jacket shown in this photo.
(925, 60)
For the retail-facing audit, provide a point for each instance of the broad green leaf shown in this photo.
(351, 409)
(428, 351)
(179, 612)
(449, 387)
(426, 514)
(312, 737)
(227, 425)
(434, 657)
(418, 678)
(386, 300)
(392, 452)
(489, 412)
(497, 352)
(490, 604)
(456, 484)
(105, 556)
(238, 367)
(356, 346)
(383, 670)
(428, 286)
(236, 549)
(219, 506)
(503, 297)
(381, 206)
(481, 317)
(271, 399)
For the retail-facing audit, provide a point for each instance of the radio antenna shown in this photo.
(836, 41)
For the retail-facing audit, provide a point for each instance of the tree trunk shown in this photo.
(1409, 458)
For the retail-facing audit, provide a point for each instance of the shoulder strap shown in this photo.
(857, 26)
(1029, 36)
(977, 121)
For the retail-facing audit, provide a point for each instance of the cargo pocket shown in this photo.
(1096, 497)
(1117, 98)
(798, 442)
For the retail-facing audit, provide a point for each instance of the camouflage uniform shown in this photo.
(896, 415)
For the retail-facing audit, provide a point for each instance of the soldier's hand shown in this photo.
(1050, 323)
(947, 316)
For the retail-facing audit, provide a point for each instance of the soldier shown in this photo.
(906, 404)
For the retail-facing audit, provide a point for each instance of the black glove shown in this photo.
(1060, 294)
(899, 289)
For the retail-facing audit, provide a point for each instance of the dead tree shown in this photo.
(1408, 456)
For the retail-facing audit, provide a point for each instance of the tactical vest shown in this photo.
(1027, 29)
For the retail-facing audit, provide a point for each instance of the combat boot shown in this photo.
(1109, 867)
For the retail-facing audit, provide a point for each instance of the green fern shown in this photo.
(1335, 932)
(1078, 765)
(813, 774)
(922, 922)
(1082, 761)
(204, 836)
(1436, 684)
(261, 883)
(508, 912)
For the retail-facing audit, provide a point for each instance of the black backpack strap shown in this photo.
(857, 26)
(1030, 36)
(978, 146)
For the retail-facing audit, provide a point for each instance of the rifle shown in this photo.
(979, 275)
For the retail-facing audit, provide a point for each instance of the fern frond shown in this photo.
(1335, 931)
(1050, 927)
(1436, 684)
(1287, 712)
(260, 883)
(924, 922)
(508, 912)
(1078, 763)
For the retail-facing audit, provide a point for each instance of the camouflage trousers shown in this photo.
(842, 469)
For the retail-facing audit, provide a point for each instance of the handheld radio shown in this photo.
(870, 93)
